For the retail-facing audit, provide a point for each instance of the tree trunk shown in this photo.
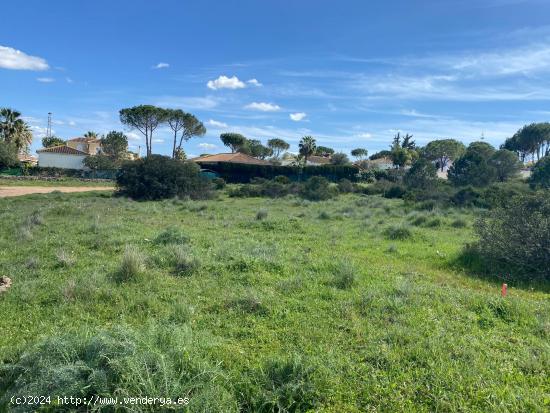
(174, 145)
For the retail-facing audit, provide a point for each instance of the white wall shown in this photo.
(58, 160)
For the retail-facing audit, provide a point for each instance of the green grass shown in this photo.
(54, 182)
(312, 306)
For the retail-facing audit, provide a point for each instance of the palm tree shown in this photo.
(15, 130)
(91, 134)
(307, 147)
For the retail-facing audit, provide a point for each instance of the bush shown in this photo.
(395, 191)
(159, 177)
(219, 183)
(317, 188)
(182, 263)
(398, 233)
(345, 186)
(261, 214)
(517, 235)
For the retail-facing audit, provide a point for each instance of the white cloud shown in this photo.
(254, 82)
(69, 80)
(224, 82)
(217, 124)
(207, 146)
(158, 140)
(132, 136)
(161, 65)
(296, 117)
(364, 135)
(72, 123)
(45, 79)
(263, 107)
(11, 58)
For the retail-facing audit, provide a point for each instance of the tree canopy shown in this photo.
(115, 145)
(307, 147)
(49, 141)
(533, 139)
(339, 159)
(443, 150)
(323, 151)
(145, 118)
(14, 130)
(277, 146)
(233, 140)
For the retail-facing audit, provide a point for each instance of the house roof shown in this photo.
(62, 149)
(236, 157)
(23, 157)
(318, 159)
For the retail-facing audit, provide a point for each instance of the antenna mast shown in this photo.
(49, 130)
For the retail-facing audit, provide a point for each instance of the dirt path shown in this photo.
(6, 191)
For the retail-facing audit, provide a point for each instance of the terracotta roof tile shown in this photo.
(64, 149)
(230, 157)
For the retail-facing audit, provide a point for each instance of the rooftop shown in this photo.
(64, 149)
(236, 157)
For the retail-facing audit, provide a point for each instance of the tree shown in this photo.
(307, 147)
(176, 121)
(505, 163)
(339, 159)
(540, 176)
(408, 143)
(233, 140)
(191, 127)
(422, 175)
(50, 141)
(359, 153)
(486, 150)
(115, 146)
(471, 169)
(443, 150)
(323, 151)
(14, 130)
(8, 155)
(277, 146)
(379, 155)
(99, 162)
(254, 148)
(180, 154)
(533, 139)
(91, 135)
(145, 118)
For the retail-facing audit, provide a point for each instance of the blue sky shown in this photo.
(350, 73)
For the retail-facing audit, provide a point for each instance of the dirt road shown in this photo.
(6, 191)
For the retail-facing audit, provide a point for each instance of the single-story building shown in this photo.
(61, 156)
(236, 157)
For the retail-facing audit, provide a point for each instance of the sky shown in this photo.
(349, 73)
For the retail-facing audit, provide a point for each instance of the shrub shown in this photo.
(459, 223)
(398, 232)
(131, 266)
(518, 236)
(219, 183)
(281, 179)
(422, 174)
(64, 259)
(317, 188)
(467, 197)
(171, 236)
(159, 177)
(345, 186)
(395, 191)
(324, 215)
(261, 214)
(8, 155)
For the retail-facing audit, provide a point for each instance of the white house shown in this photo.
(62, 156)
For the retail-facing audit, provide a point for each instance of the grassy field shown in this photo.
(53, 182)
(346, 305)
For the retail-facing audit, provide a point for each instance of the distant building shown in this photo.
(380, 163)
(90, 146)
(62, 156)
(27, 159)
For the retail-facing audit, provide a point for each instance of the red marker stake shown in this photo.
(504, 290)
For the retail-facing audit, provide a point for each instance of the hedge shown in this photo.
(243, 173)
